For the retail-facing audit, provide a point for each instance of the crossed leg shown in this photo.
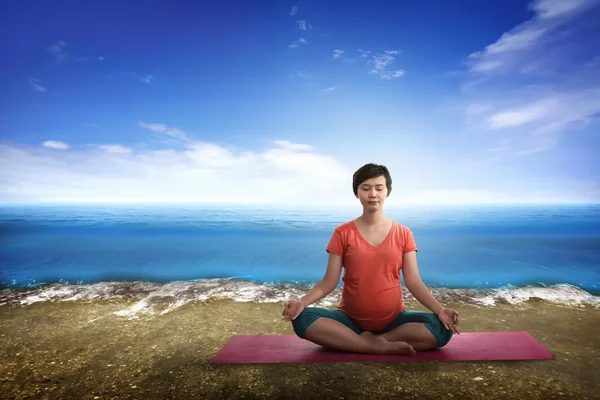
(334, 330)
(414, 333)
(332, 334)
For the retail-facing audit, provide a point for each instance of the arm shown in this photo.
(328, 283)
(415, 285)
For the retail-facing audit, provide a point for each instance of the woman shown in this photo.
(371, 316)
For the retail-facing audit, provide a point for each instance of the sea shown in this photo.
(167, 255)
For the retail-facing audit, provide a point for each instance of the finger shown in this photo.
(455, 329)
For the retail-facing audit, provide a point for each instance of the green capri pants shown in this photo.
(431, 321)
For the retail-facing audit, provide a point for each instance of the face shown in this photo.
(373, 192)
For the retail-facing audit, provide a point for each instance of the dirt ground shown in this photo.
(81, 350)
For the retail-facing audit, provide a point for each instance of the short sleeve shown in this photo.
(409, 241)
(336, 243)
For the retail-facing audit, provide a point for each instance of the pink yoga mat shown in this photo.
(257, 349)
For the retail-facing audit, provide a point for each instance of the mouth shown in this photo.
(373, 202)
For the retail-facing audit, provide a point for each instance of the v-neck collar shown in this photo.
(387, 238)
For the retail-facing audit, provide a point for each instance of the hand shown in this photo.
(449, 318)
(292, 309)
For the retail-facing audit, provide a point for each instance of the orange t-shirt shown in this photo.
(371, 294)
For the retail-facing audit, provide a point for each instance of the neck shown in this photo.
(373, 217)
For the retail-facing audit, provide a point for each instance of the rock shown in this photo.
(478, 378)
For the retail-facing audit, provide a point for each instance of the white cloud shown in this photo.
(303, 25)
(53, 144)
(147, 78)
(284, 144)
(540, 37)
(523, 115)
(533, 83)
(477, 108)
(60, 56)
(534, 116)
(514, 41)
(297, 43)
(282, 173)
(330, 89)
(35, 86)
(534, 126)
(484, 66)
(337, 53)
(554, 112)
(304, 75)
(285, 172)
(162, 128)
(115, 148)
(56, 49)
(380, 63)
(548, 9)
(294, 10)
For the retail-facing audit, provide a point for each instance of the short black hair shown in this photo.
(369, 171)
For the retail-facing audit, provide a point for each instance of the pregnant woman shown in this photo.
(371, 316)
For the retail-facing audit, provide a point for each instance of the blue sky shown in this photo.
(279, 102)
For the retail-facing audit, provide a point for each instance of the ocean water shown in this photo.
(169, 255)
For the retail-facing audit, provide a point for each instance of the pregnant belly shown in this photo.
(366, 303)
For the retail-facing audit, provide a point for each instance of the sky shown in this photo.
(277, 102)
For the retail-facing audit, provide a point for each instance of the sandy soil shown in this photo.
(52, 350)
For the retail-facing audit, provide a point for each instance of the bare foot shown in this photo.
(401, 348)
(382, 346)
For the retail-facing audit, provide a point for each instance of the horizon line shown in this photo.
(295, 204)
